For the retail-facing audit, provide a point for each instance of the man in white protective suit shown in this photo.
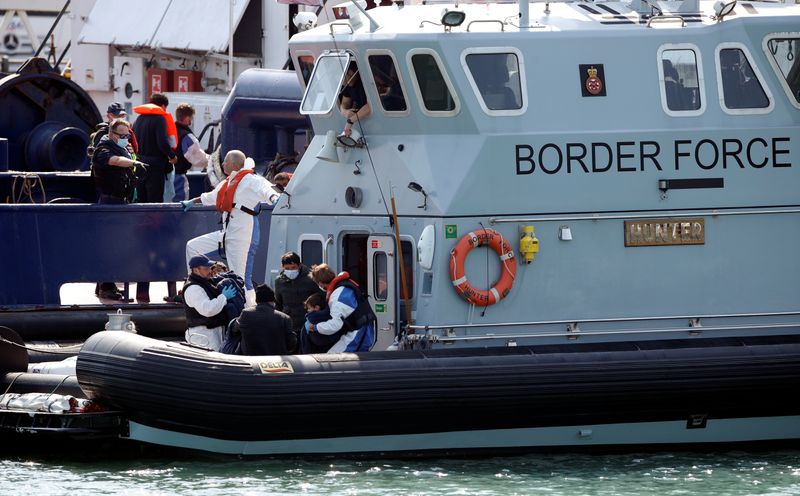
(238, 198)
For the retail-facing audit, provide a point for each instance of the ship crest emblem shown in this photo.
(592, 79)
(593, 83)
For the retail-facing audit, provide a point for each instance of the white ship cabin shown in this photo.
(637, 163)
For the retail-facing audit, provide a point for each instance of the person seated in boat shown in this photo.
(204, 304)
(222, 278)
(264, 330)
(316, 311)
(353, 99)
(352, 319)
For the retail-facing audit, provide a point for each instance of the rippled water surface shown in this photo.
(719, 474)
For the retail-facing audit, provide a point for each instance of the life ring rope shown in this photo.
(458, 257)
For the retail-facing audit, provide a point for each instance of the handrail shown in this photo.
(575, 334)
(340, 23)
(618, 319)
(666, 17)
(656, 215)
(502, 24)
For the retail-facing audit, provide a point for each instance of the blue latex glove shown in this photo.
(187, 204)
(229, 292)
(308, 326)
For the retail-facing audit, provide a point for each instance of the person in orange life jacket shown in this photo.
(190, 155)
(158, 137)
(238, 199)
(113, 171)
(204, 304)
(351, 316)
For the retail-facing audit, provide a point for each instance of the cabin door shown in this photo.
(382, 286)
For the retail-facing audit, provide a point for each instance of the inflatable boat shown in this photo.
(482, 399)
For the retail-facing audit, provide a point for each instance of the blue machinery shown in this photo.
(46, 119)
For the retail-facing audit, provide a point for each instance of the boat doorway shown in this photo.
(370, 260)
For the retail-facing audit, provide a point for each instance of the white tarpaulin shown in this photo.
(116, 23)
(201, 25)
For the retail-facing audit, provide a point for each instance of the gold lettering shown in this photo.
(697, 230)
(664, 232)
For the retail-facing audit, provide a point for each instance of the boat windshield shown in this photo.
(323, 88)
(786, 55)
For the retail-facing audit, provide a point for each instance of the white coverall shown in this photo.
(240, 231)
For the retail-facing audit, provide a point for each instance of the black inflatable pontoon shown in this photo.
(682, 392)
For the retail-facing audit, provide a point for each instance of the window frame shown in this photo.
(774, 63)
(349, 57)
(701, 84)
(374, 87)
(447, 81)
(312, 237)
(756, 72)
(476, 91)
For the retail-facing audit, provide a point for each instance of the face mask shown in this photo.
(122, 142)
(292, 274)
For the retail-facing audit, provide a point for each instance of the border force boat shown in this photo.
(631, 173)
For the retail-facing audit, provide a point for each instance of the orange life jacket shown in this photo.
(153, 109)
(343, 276)
(228, 189)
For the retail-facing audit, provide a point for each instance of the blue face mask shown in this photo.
(122, 142)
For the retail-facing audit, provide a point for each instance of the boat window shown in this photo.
(784, 56)
(496, 76)
(311, 252)
(741, 88)
(433, 88)
(380, 283)
(354, 259)
(680, 82)
(387, 82)
(305, 64)
(323, 88)
(409, 255)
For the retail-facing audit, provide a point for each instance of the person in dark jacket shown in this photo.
(114, 172)
(318, 312)
(292, 287)
(264, 330)
(156, 149)
(112, 166)
(113, 112)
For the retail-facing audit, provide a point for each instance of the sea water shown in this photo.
(731, 473)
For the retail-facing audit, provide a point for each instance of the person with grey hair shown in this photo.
(238, 199)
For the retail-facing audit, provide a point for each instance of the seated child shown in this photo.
(314, 342)
(222, 278)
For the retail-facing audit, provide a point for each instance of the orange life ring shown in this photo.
(496, 241)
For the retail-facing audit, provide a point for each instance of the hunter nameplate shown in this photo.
(665, 232)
